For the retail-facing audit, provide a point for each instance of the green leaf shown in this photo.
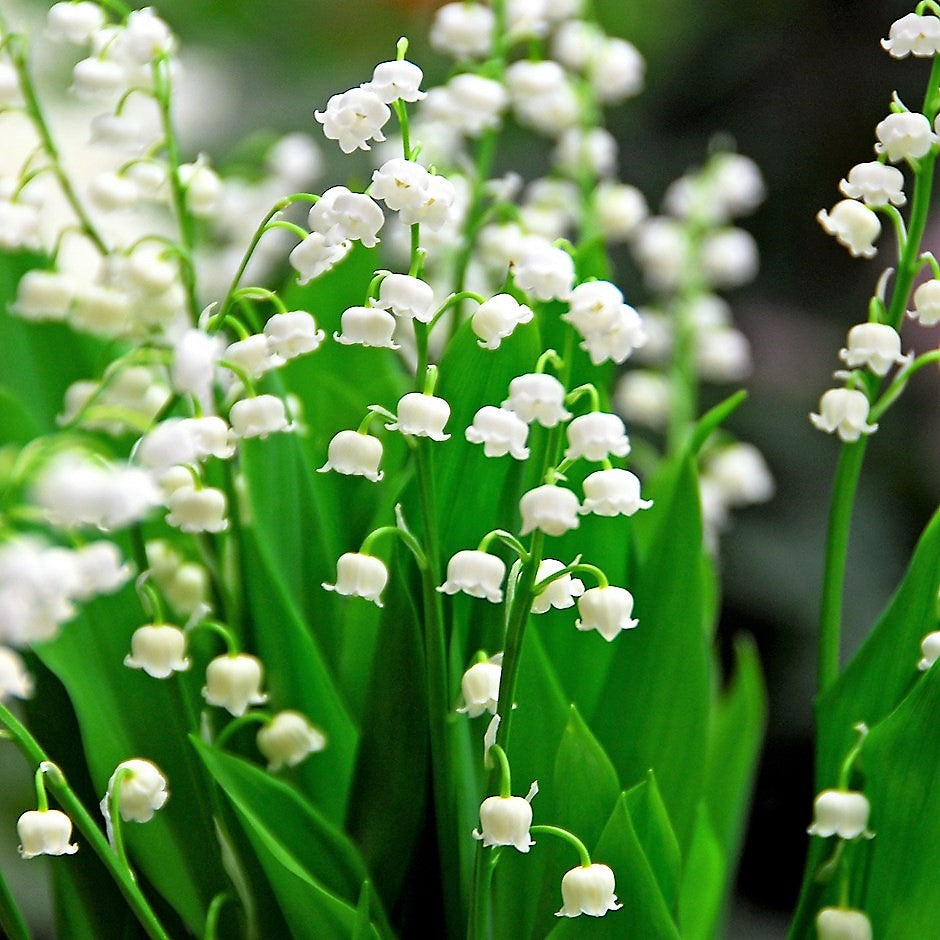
(12, 922)
(703, 878)
(654, 832)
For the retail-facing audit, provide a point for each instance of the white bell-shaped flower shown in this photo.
(616, 70)
(876, 184)
(407, 297)
(843, 411)
(44, 295)
(233, 682)
(607, 610)
(551, 509)
(644, 397)
(353, 118)
(904, 136)
(45, 832)
(500, 431)
(396, 80)
(505, 820)
(359, 575)
(927, 303)
(853, 225)
(875, 345)
(15, 681)
(596, 436)
(315, 255)
(253, 355)
(210, 437)
(729, 257)
(159, 649)
(913, 35)
(593, 307)
(463, 30)
(354, 454)
(293, 334)
(198, 510)
(421, 416)
(203, 188)
(619, 209)
(259, 416)
(74, 22)
(99, 569)
(367, 326)
(722, 354)
(476, 573)
(842, 813)
(626, 334)
(142, 790)
(417, 195)
(537, 397)
(111, 192)
(588, 889)
(930, 650)
(613, 493)
(496, 318)
(340, 215)
(561, 593)
(543, 97)
(841, 923)
(740, 474)
(96, 79)
(480, 688)
(543, 270)
(476, 103)
(289, 738)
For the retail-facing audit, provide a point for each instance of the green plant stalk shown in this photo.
(12, 922)
(34, 754)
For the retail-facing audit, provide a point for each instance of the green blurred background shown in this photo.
(799, 85)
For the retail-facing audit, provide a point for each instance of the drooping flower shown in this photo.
(930, 650)
(480, 687)
(876, 184)
(359, 575)
(505, 820)
(198, 510)
(740, 474)
(613, 493)
(353, 118)
(844, 411)
(293, 334)
(913, 35)
(315, 255)
(476, 573)
(588, 889)
(549, 508)
(500, 431)
(853, 225)
(341, 215)
(463, 30)
(354, 454)
(143, 790)
(496, 318)
(396, 80)
(289, 738)
(367, 326)
(74, 22)
(45, 832)
(843, 813)
(159, 649)
(537, 397)
(927, 303)
(841, 923)
(233, 682)
(542, 270)
(875, 345)
(904, 136)
(421, 416)
(560, 593)
(596, 436)
(607, 610)
(259, 416)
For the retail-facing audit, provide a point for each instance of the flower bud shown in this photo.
(15, 681)
(927, 303)
(930, 650)
(142, 790)
(287, 739)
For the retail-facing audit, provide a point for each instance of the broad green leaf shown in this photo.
(89, 908)
(701, 894)
(17, 425)
(654, 832)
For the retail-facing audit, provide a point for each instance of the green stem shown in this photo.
(71, 804)
(117, 831)
(568, 837)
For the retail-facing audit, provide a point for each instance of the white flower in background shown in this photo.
(876, 184)
(19, 226)
(195, 355)
(476, 573)
(480, 687)
(45, 832)
(233, 682)
(526, 19)
(315, 255)
(288, 739)
(607, 610)
(505, 820)
(476, 104)
(354, 454)
(293, 334)
(407, 297)
(202, 186)
(144, 37)
(927, 303)
(394, 80)
(537, 397)
(353, 118)
(497, 318)
(736, 182)
(44, 295)
(644, 397)
(11, 95)
(842, 813)
(130, 133)
(930, 650)
(15, 681)
(252, 355)
(616, 70)
(551, 509)
(97, 79)
(729, 257)
(913, 34)
(142, 790)
(359, 575)
(295, 160)
(904, 136)
(660, 246)
(210, 436)
(99, 569)
(613, 493)
(843, 411)
(111, 192)
(463, 30)
(340, 215)
(102, 310)
(619, 209)
(542, 270)
(740, 473)
(596, 436)
(74, 22)
(588, 890)
(422, 416)
(722, 355)
(367, 326)
(159, 649)
(542, 96)
(594, 148)
(842, 923)
(560, 593)
(169, 443)
(575, 43)
(875, 345)
(853, 225)
(197, 510)
(500, 431)
(259, 416)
